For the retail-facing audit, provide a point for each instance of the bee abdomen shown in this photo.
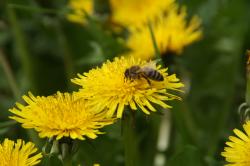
(155, 75)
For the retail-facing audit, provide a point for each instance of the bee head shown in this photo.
(126, 74)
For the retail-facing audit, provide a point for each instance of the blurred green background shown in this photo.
(40, 51)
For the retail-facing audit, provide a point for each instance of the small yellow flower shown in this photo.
(123, 12)
(237, 151)
(79, 9)
(60, 115)
(172, 34)
(19, 153)
(106, 87)
(137, 12)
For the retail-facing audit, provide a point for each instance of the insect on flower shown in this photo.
(147, 72)
(127, 86)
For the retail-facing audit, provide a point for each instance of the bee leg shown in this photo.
(149, 83)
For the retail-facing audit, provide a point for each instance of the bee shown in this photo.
(146, 72)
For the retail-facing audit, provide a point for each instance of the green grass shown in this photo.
(40, 51)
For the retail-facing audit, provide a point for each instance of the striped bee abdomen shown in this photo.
(137, 72)
(154, 75)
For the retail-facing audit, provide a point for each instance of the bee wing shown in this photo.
(151, 64)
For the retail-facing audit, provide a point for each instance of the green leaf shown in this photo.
(7, 124)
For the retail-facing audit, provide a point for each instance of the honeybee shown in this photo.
(146, 72)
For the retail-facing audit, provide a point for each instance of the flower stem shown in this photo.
(66, 156)
(67, 55)
(129, 139)
(21, 45)
(248, 79)
(156, 48)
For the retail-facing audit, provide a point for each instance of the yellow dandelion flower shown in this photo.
(19, 153)
(137, 12)
(123, 12)
(107, 87)
(60, 115)
(172, 34)
(238, 148)
(79, 9)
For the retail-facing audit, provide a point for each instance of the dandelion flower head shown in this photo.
(107, 87)
(123, 12)
(172, 33)
(60, 115)
(137, 12)
(79, 9)
(238, 147)
(19, 153)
